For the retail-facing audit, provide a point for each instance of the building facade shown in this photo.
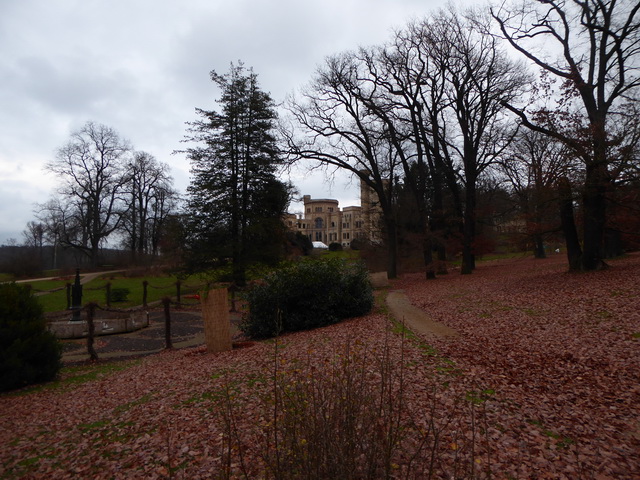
(324, 221)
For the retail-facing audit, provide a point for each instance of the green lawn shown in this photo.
(6, 277)
(95, 290)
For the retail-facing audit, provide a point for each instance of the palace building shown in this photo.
(324, 221)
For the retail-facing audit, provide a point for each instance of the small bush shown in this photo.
(335, 247)
(118, 295)
(300, 242)
(28, 352)
(306, 295)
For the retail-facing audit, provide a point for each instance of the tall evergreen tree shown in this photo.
(235, 201)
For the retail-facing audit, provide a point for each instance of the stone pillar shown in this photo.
(217, 326)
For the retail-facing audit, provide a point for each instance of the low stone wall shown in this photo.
(103, 326)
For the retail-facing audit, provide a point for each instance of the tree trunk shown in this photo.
(437, 224)
(594, 221)
(574, 252)
(594, 201)
(392, 246)
(427, 253)
(538, 246)
(469, 230)
(95, 253)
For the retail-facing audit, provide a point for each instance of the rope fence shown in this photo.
(215, 316)
(117, 294)
(92, 307)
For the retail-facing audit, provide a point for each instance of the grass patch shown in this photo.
(93, 426)
(560, 441)
(444, 366)
(83, 374)
(478, 397)
(48, 285)
(78, 375)
(95, 290)
(503, 256)
(127, 406)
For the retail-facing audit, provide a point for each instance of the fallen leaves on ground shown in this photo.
(562, 353)
(542, 382)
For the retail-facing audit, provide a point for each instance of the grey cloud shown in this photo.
(142, 67)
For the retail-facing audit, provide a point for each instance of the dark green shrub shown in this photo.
(306, 295)
(118, 295)
(335, 247)
(29, 353)
(358, 244)
(299, 241)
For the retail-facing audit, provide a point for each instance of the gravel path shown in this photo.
(187, 330)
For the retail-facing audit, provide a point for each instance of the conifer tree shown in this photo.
(235, 200)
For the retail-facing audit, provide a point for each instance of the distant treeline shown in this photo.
(24, 261)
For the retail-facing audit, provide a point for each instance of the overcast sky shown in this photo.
(142, 66)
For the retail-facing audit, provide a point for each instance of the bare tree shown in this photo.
(334, 126)
(34, 234)
(592, 47)
(149, 187)
(533, 165)
(34, 237)
(416, 79)
(480, 79)
(433, 95)
(91, 168)
(449, 78)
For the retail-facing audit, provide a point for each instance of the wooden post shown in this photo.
(166, 301)
(178, 284)
(145, 284)
(108, 294)
(215, 313)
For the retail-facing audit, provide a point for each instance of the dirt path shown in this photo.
(417, 320)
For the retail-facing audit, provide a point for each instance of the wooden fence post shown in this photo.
(215, 313)
(166, 301)
(145, 284)
(108, 294)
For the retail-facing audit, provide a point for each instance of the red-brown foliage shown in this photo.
(551, 360)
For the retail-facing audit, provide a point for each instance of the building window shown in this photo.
(308, 209)
(318, 209)
(333, 224)
(318, 236)
(330, 209)
(318, 222)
